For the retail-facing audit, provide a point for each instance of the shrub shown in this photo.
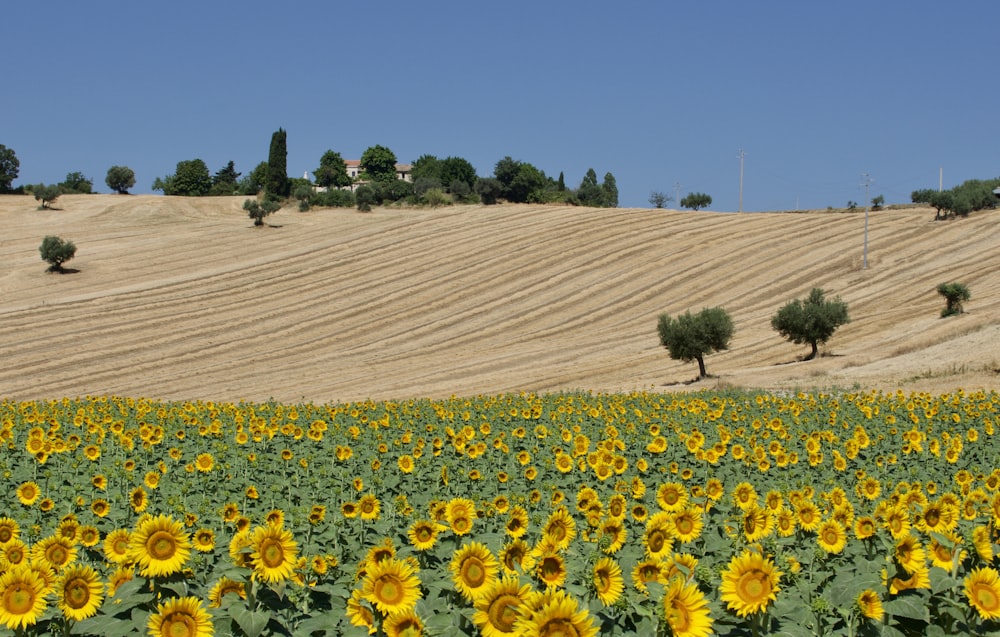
(954, 295)
(435, 197)
(47, 195)
(257, 210)
(55, 252)
(335, 199)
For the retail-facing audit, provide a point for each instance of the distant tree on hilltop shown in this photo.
(120, 179)
(379, 163)
(696, 201)
(9, 167)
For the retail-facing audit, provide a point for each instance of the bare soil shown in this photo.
(182, 299)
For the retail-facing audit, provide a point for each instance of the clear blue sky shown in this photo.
(656, 92)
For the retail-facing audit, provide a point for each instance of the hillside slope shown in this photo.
(181, 298)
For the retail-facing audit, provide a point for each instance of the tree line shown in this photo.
(960, 201)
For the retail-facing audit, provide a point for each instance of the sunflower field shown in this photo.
(735, 513)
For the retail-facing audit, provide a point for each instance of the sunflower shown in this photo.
(560, 528)
(920, 579)
(550, 568)
(89, 535)
(744, 495)
(686, 525)
(403, 624)
(159, 546)
(644, 572)
(392, 586)
(203, 540)
(460, 514)
(137, 498)
(473, 570)
(686, 610)
(405, 463)
(808, 515)
(671, 496)
(554, 614)
(982, 589)
(515, 557)
(359, 614)
(116, 546)
(870, 605)
(749, 583)
(274, 553)
(784, 522)
(757, 523)
(54, 552)
(657, 539)
(349, 509)
(369, 507)
(225, 586)
(497, 609)
(517, 523)
(910, 555)
(423, 534)
(983, 543)
(79, 592)
(612, 535)
(865, 527)
(204, 462)
(943, 555)
(384, 550)
(180, 617)
(230, 511)
(28, 493)
(118, 577)
(9, 530)
(22, 596)
(832, 537)
(609, 584)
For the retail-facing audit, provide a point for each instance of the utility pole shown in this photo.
(866, 181)
(742, 155)
(940, 178)
(677, 193)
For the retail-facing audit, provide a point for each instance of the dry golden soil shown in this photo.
(182, 298)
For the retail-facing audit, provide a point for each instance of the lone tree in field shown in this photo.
(954, 295)
(46, 195)
(696, 200)
(120, 179)
(812, 321)
(257, 210)
(55, 251)
(690, 337)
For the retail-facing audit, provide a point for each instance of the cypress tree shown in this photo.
(277, 185)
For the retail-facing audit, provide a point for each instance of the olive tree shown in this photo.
(955, 294)
(690, 337)
(55, 252)
(812, 321)
(46, 195)
(696, 200)
(120, 179)
(257, 210)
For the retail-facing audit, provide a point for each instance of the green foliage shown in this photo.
(955, 294)
(426, 167)
(422, 184)
(190, 179)
(56, 252)
(276, 184)
(47, 195)
(696, 201)
(877, 202)
(609, 189)
(527, 185)
(379, 163)
(76, 184)
(120, 179)
(460, 190)
(658, 199)
(589, 193)
(960, 201)
(456, 169)
(488, 189)
(332, 171)
(435, 197)
(692, 336)
(922, 196)
(257, 210)
(9, 167)
(253, 183)
(334, 199)
(365, 196)
(303, 193)
(812, 321)
(226, 181)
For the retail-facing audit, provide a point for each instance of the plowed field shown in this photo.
(181, 298)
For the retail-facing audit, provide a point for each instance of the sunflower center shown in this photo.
(932, 518)
(461, 524)
(179, 625)
(76, 594)
(161, 545)
(57, 555)
(685, 525)
(551, 568)
(473, 572)
(502, 612)
(752, 589)
(18, 599)
(986, 598)
(389, 590)
(272, 554)
(6, 534)
(602, 581)
(558, 627)
(677, 617)
(656, 541)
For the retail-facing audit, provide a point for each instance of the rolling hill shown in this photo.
(181, 298)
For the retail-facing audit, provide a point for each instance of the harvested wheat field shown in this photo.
(181, 298)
